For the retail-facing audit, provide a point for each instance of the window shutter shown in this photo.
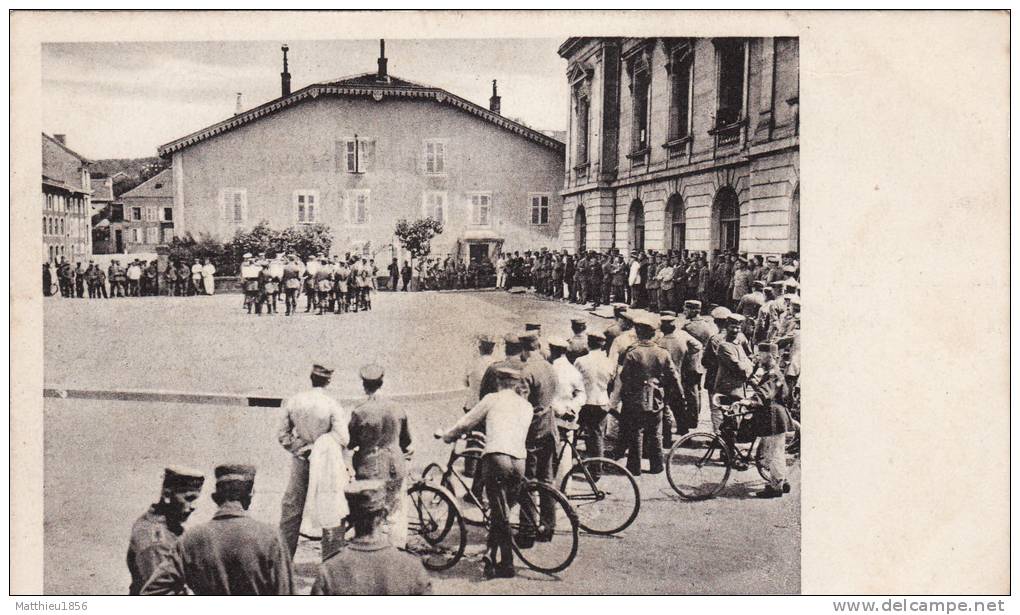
(340, 155)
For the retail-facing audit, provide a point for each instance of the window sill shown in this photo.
(443, 174)
(639, 153)
(727, 128)
(582, 167)
(678, 143)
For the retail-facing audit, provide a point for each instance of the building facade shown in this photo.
(66, 202)
(682, 143)
(360, 153)
(146, 218)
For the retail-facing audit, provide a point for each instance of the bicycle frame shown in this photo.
(451, 472)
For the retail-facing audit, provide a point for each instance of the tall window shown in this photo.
(136, 235)
(234, 202)
(434, 205)
(136, 213)
(729, 219)
(152, 235)
(168, 214)
(481, 209)
(680, 67)
(358, 202)
(306, 206)
(151, 214)
(582, 105)
(636, 219)
(167, 235)
(435, 157)
(640, 84)
(731, 58)
(540, 209)
(355, 155)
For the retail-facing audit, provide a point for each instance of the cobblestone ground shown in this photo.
(103, 459)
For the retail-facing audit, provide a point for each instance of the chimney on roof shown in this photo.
(494, 99)
(61, 139)
(238, 108)
(285, 75)
(382, 76)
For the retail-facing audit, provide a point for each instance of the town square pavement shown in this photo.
(103, 459)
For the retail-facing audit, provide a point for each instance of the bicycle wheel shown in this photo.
(759, 461)
(554, 545)
(434, 517)
(698, 466)
(604, 495)
(433, 474)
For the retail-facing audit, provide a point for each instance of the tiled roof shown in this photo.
(159, 185)
(61, 166)
(102, 189)
(363, 85)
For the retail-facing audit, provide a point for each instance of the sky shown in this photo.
(123, 100)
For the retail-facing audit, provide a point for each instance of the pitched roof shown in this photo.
(365, 84)
(61, 166)
(66, 149)
(159, 185)
(102, 189)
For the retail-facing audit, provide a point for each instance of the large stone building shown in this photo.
(66, 206)
(360, 153)
(682, 143)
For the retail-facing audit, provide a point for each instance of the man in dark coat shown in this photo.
(155, 533)
(369, 565)
(231, 555)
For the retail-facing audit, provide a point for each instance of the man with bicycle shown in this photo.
(770, 420)
(507, 416)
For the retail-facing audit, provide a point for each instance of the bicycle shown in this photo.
(603, 492)
(548, 556)
(435, 517)
(699, 464)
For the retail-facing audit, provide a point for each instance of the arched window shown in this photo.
(580, 230)
(676, 224)
(636, 225)
(728, 212)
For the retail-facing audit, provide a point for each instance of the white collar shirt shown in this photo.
(597, 371)
(507, 418)
(570, 391)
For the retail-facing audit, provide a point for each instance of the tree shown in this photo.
(307, 239)
(416, 237)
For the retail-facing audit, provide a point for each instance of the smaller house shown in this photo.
(146, 216)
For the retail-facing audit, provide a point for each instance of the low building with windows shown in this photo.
(682, 143)
(66, 202)
(362, 152)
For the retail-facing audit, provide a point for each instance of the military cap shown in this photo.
(647, 319)
(247, 255)
(532, 326)
(692, 303)
(720, 313)
(758, 284)
(789, 296)
(791, 283)
(778, 284)
(178, 478)
(768, 347)
(321, 372)
(486, 339)
(667, 319)
(366, 496)
(619, 308)
(665, 313)
(511, 338)
(628, 315)
(235, 472)
(595, 335)
(579, 321)
(789, 269)
(772, 259)
(505, 371)
(734, 319)
(558, 342)
(371, 372)
(528, 339)
(795, 300)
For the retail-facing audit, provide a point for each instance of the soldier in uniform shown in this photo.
(155, 533)
(291, 285)
(311, 292)
(183, 278)
(597, 371)
(685, 351)
(543, 435)
(306, 416)
(618, 275)
(594, 280)
(342, 280)
(577, 345)
(369, 565)
(646, 379)
(171, 279)
(581, 278)
(615, 329)
(770, 420)
(381, 439)
(250, 281)
(231, 555)
(652, 283)
(732, 358)
(267, 288)
(323, 285)
(569, 274)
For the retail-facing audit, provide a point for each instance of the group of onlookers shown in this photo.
(131, 278)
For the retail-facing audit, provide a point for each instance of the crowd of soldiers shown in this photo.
(331, 284)
(453, 274)
(133, 278)
(658, 281)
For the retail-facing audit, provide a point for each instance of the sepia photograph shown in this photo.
(454, 313)
(410, 337)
